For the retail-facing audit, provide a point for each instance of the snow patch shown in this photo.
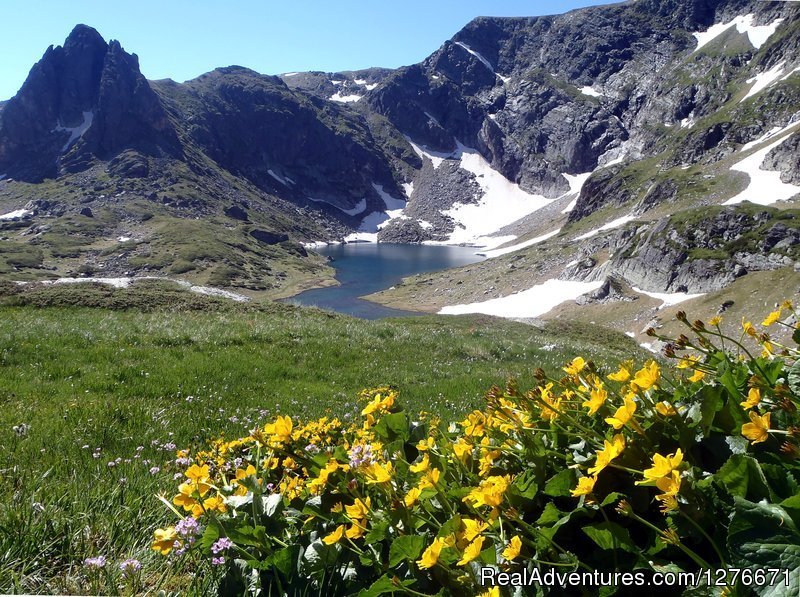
(576, 182)
(19, 213)
(285, 181)
(345, 99)
(667, 299)
(424, 224)
(408, 187)
(124, 239)
(773, 132)
(590, 91)
(483, 60)
(503, 202)
(359, 208)
(766, 186)
(125, 282)
(758, 34)
(375, 221)
(764, 80)
(611, 225)
(360, 81)
(370, 86)
(436, 157)
(533, 302)
(289, 74)
(75, 132)
(522, 245)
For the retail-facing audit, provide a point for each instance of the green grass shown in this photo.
(102, 381)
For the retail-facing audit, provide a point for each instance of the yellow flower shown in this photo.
(492, 592)
(422, 465)
(426, 444)
(622, 375)
(430, 479)
(598, 397)
(611, 449)
(663, 465)
(335, 536)
(748, 328)
(474, 423)
(666, 409)
(280, 430)
(164, 540)
(768, 349)
(359, 509)
(462, 449)
(472, 551)
(513, 548)
(715, 321)
(698, 375)
(490, 491)
(787, 304)
(623, 414)
(473, 528)
(378, 473)
(412, 497)
(647, 377)
(757, 430)
(357, 529)
(670, 485)
(337, 507)
(585, 486)
(213, 503)
(753, 399)
(772, 318)
(431, 554)
(576, 366)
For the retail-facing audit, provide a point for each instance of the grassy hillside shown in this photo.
(95, 402)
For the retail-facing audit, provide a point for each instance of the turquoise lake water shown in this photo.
(364, 268)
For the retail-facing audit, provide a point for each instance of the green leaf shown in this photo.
(393, 426)
(610, 535)
(741, 476)
(524, 488)
(763, 535)
(711, 402)
(377, 532)
(385, 586)
(284, 559)
(550, 515)
(612, 498)
(407, 547)
(793, 377)
(210, 535)
(561, 484)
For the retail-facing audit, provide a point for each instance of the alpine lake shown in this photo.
(363, 268)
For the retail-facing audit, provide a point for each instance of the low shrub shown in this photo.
(690, 467)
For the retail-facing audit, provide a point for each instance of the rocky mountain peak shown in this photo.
(84, 99)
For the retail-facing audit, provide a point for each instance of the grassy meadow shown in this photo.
(97, 400)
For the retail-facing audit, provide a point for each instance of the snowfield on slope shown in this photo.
(533, 302)
(766, 186)
(757, 34)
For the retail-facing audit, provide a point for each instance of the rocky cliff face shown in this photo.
(84, 100)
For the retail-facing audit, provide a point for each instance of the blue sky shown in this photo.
(182, 39)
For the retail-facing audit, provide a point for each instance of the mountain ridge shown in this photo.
(567, 118)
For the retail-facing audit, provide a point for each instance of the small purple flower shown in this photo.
(130, 567)
(183, 461)
(95, 562)
(312, 449)
(221, 545)
(218, 561)
(155, 470)
(169, 447)
(189, 529)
